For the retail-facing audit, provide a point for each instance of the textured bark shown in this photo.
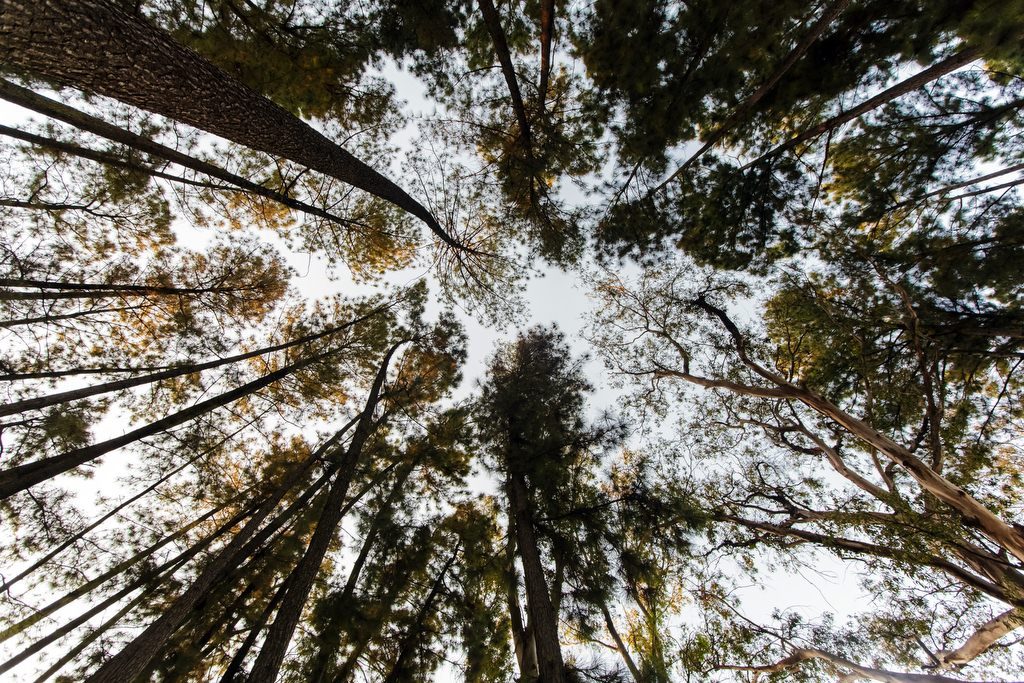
(98, 47)
(952, 63)
(543, 618)
(744, 107)
(609, 623)
(187, 369)
(522, 638)
(21, 477)
(301, 578)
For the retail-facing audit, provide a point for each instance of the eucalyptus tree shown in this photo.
(844, 375)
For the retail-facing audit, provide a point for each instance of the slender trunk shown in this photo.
(522, 638)
(236, 183)
(187, 369)
(280, 634)
(60, 374)
(543, 619)
(167, 567)
(97, 46)
(117, 569)
(493, 22)
(952, 63)
(234, 667)
(64, 316)
(956, 186)
(415, 629)
(136, 655)
(105, 288)
(744, 107)
(61, 547)
(609, 623)
(92, 636)
(328, 642)
(547, 30)
(21, 477)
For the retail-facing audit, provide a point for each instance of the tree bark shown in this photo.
(21, 477)
(982, 639)
(543, 619)
(98, 47)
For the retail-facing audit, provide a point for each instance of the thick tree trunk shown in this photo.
(952, 63)
(522, 638)
(301, 579)
(21, 477)
(543, 618)
(188, 369)
(98, 47)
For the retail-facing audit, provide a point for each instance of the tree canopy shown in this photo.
(249, 253)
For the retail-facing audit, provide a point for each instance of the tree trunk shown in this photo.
(493, 23)
(621, 646)
(65, 316)
(416, 628)
(21, 477)
(280, 634)
(325, 652)
(136, 655)
(98, 47)
(237, 183)
(543, 619)
(119, 568)
(547, 26)
(167, 567)
(952, 63)
(741, 110)
(188, 369)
